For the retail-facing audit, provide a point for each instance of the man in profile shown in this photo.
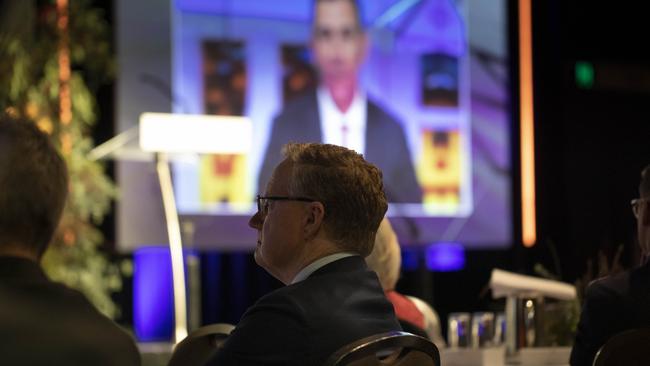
(315, 222)
(339, 112)
(43, 322)
(620, 302)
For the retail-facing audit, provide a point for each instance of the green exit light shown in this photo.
(584, 74)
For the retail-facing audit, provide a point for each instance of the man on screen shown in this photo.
(316, 220)
(339, 111)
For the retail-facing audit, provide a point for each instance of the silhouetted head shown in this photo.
(33, 188)
(321, 199)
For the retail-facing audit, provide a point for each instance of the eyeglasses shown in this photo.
(263, 201)
(636, 203)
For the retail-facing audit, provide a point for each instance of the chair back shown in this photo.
(198, 347)
(629, 348)
(412, 328)
(387, 349)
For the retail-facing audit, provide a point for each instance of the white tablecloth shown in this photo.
(496, 356)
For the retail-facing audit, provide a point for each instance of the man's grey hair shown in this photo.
(350, 189)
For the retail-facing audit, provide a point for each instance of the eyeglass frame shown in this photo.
(259, 199)
(635, 205)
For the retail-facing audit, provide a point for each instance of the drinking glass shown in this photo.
(458, 330)
(483, 329)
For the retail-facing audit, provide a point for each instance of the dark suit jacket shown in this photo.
(385, 145)
(612, 305)
(304, 323)
(46, 323)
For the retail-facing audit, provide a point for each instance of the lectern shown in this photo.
(161, 135)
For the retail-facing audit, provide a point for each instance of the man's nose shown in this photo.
(256, 221)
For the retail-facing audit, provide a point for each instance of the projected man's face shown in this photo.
(338, 42)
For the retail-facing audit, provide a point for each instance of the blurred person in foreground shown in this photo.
(316, 221)
(339, 111)
(619, 302)
(414, 315)
(43, 322)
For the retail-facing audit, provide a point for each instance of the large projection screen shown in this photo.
(439, 68)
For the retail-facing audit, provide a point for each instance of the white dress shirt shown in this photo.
(333, 121)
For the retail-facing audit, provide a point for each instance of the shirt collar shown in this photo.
(319, 263)
(325, 99)
(331, 119)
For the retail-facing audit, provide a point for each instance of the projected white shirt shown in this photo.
(344, 129)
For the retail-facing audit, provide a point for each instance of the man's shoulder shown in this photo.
(65, 319)
(78, 307)
(45, 292)
(113, 340)
(608, 287)
(345, 274)
(627, 291)
(292, 298)
(305, 322)
(380, 114)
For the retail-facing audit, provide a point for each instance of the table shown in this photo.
(496, 356)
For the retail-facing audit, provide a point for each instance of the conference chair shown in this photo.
(629, 348)
(387, 349)
(198, 347)
(412, 328)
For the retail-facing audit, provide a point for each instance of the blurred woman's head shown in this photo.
(386, 258)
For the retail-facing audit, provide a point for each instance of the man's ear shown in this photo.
(313, 220)
(646, 212)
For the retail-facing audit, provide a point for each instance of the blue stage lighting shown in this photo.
(445, 257)
(153, 294)
(410, 258)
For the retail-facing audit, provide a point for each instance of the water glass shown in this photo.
(499, 329)
(483, 329)
(458, 330)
